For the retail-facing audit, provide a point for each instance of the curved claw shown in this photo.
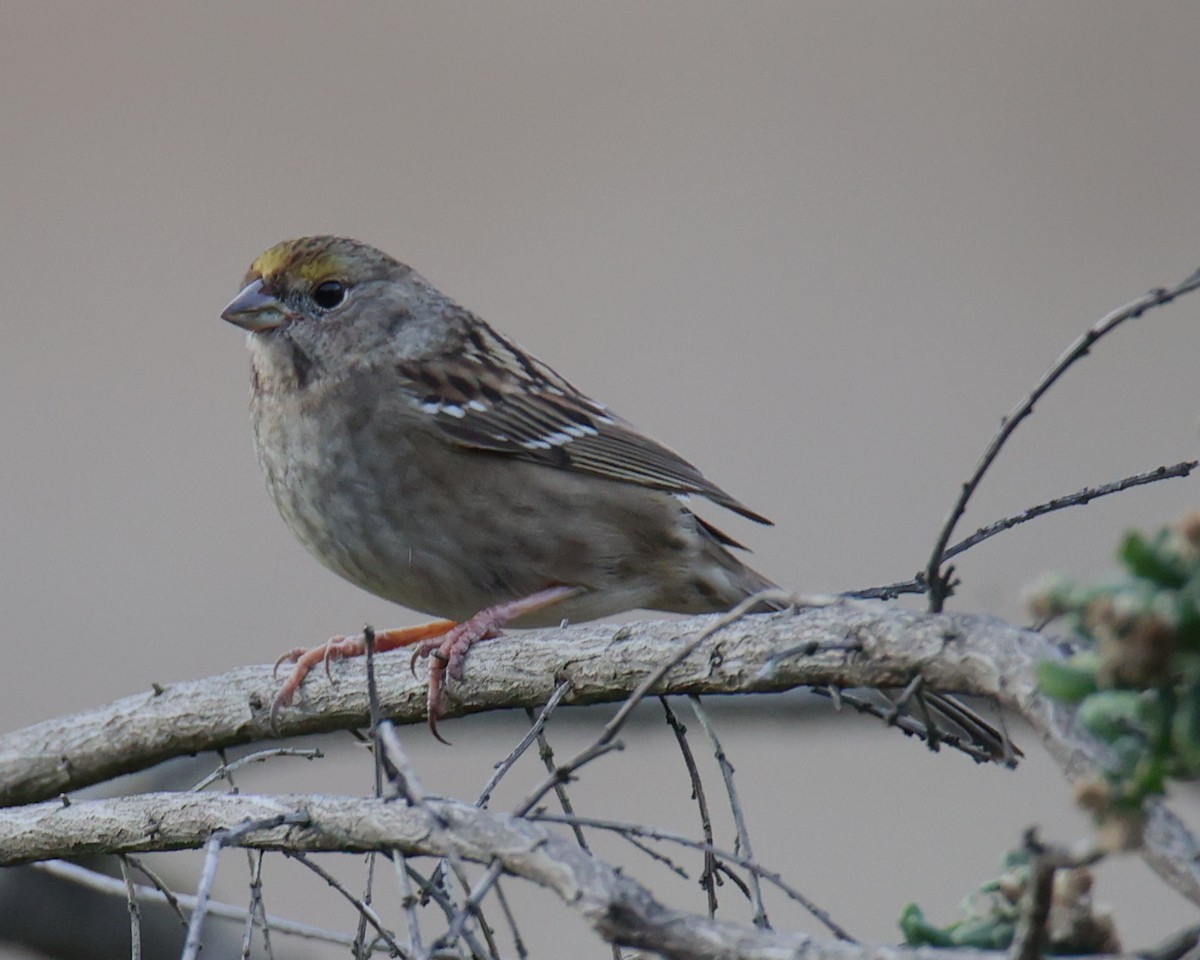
(293, 655)
(276, 708)
(287, 691)
(447, 655)
(434, 730)
(437, 671)
(332, 652)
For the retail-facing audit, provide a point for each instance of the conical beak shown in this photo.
(254, 310)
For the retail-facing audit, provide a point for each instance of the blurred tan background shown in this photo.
(819, 248)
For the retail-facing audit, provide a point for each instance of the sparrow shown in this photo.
(424, 456)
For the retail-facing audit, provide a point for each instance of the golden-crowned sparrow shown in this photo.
(431, 461)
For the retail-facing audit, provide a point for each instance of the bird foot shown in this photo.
(339, 648)
(448, 652)
(445, 642)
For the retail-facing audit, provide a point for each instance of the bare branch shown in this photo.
(223, 771)
(218, 839)
(502, 768)
(934, 578)
(159, 893)
(607, 741)
(954, 653)
(603, 662)
(708, 878)
(906, 724)
(408, 785)
(617, 907)
(365, 910)
(632, 831)
(1079, 498)
(408, 902)
(735, 805)
(77, 874)
(135, 912)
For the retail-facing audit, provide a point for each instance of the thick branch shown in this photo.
(860, 644)
(602, 662)
(618, 908)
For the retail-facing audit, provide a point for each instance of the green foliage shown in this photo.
(1137, 683)
(988, 917)
(986, 933)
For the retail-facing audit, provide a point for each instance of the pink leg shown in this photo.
(338, 648)
(449, 651)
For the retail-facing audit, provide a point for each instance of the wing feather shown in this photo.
(490, 395)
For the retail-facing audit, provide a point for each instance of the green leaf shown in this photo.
(919, 933)
(1153, 559)
(994, 934)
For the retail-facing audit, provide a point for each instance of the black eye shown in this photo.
(329, 294)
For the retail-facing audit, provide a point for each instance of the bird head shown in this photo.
(319, 306)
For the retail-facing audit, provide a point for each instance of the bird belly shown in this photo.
(450, 531)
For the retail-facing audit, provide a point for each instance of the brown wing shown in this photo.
(493, 396)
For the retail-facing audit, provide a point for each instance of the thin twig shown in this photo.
(360, 948)
(934, 577)
(256, 913)
(653, 833)
(408, 900)
(606, 741)
(159, 893)
(510, 918)
(708, 878)
(135, 913)
(1080, 497)
(663, 858)
(546, 754)
(254, 858)
(908, 725)
(368, 635)
(208, 875)
(223, 771)
(889, 591)
(408, 785)
(560, 791)
(723, 868)
(502, 768)
(364, 909)
(166, 894)
(435, 893)
(379, 752)
(898, 705)
(470, 906)
(735, 804)
(1029, 940)
(933, 733)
